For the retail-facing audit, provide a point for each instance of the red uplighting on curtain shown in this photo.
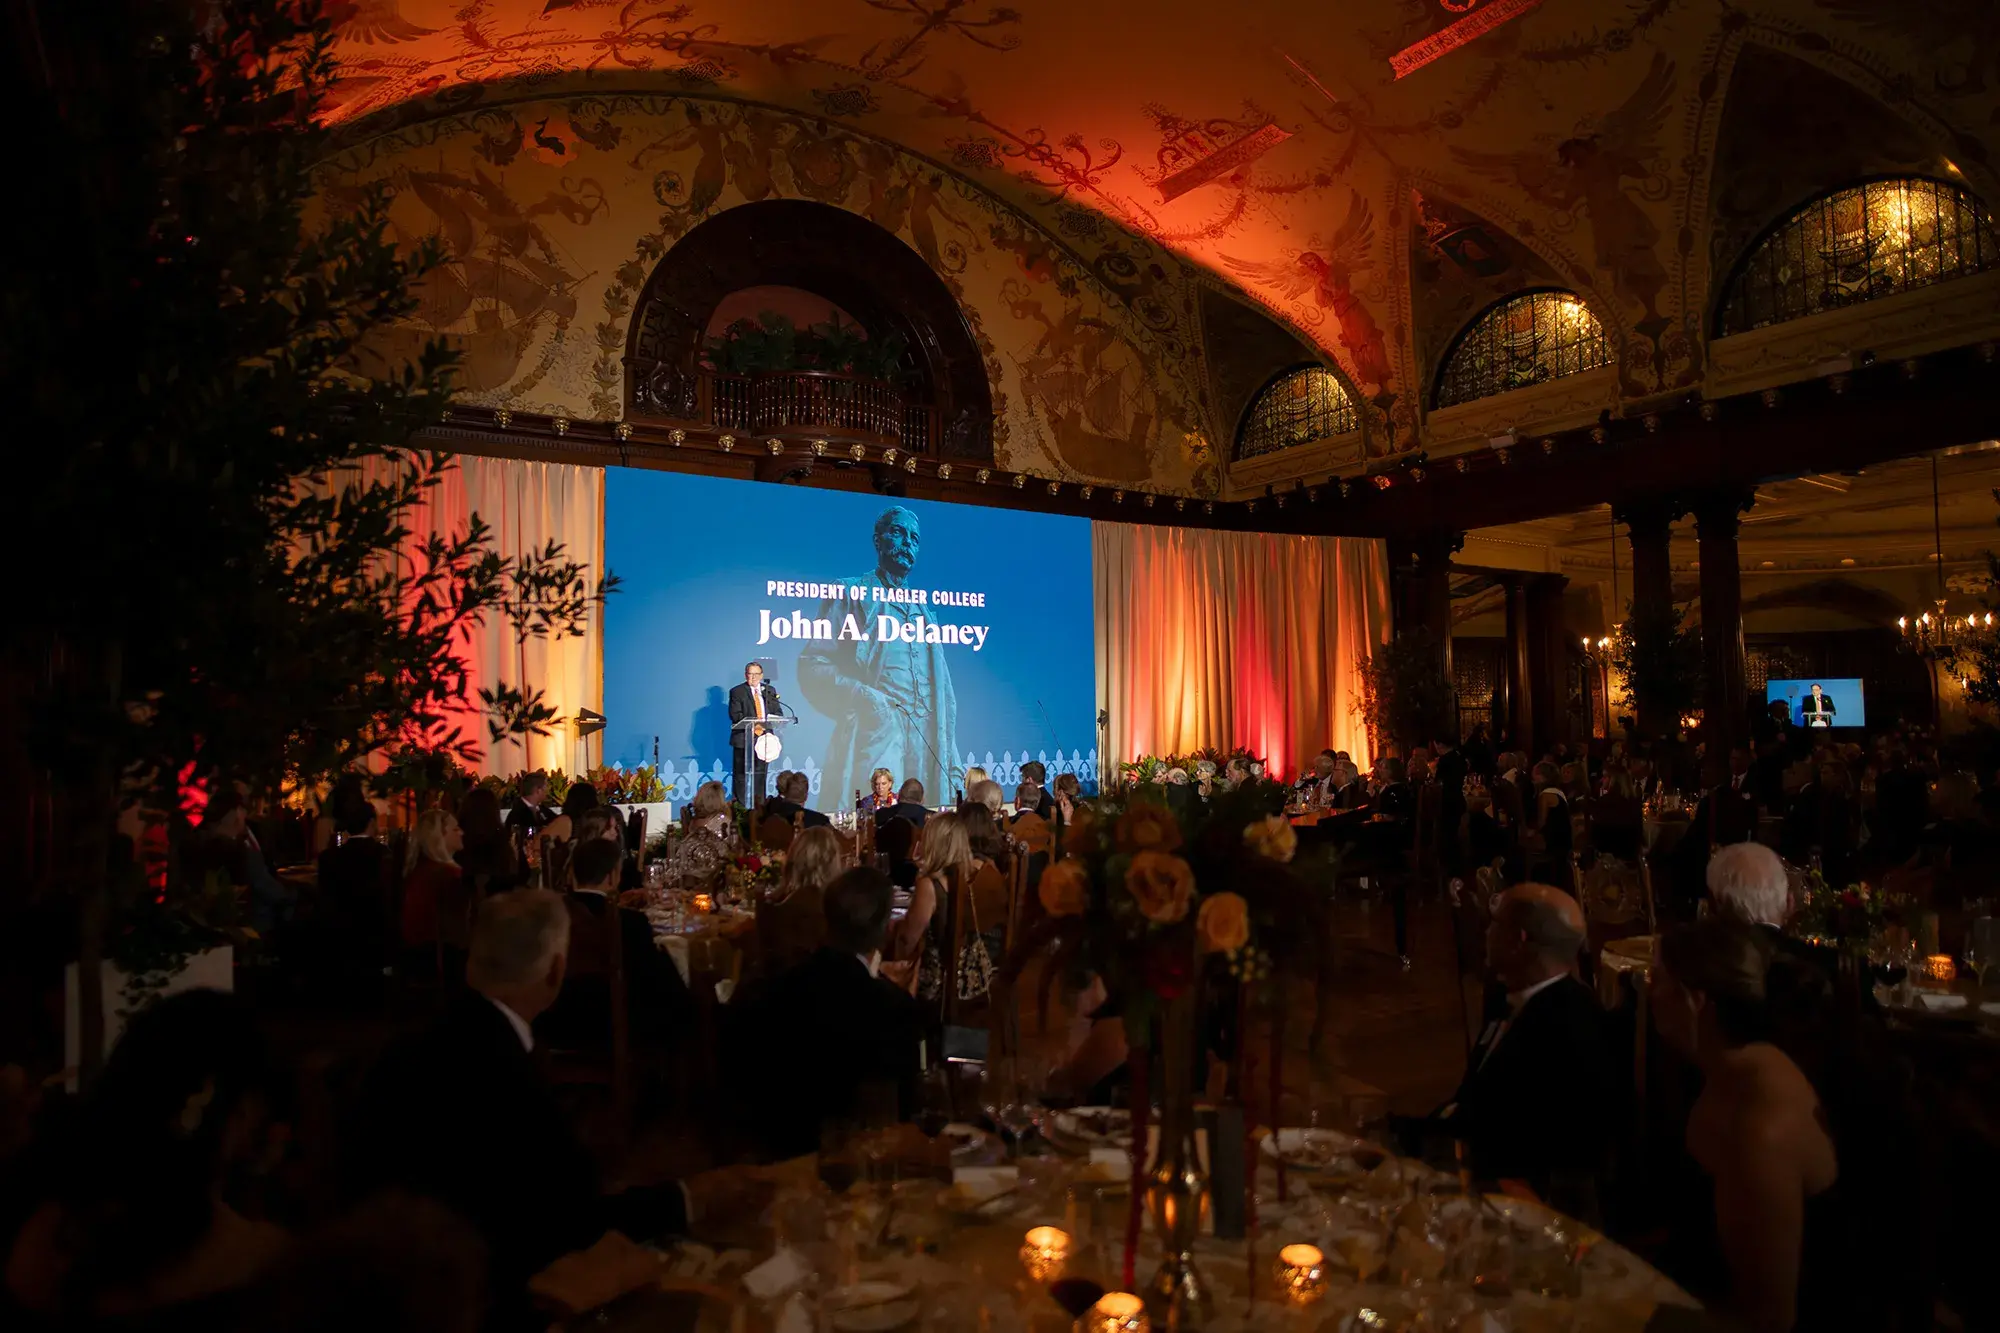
(1225, 639)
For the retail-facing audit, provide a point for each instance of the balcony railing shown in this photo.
(790, 402)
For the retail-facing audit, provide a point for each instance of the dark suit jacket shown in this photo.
(657, 1002)
(1808, 710)
(459, 1112)
(902, 810)
(1450, 770)
(742, 705)
(806, 1044)
(789, 812)
(353, 891)
(1541, 1103)
(525, 816)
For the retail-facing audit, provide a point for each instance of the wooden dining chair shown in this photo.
(775, 833)
(597, 950)
(1616, 897)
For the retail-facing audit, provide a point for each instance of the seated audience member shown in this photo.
(1393, 796)
(1747, 882)
(1037, 772)
(790, 803)
(226, 845)
(1028, 799)
(460, 1113)
(1092, 1070)
(1069, 795)
(353, 893)
(530, 814)
(1348, 791)
(1537, 1098)
(849, 1041)
(909, 805)
(989, 840)
(137, 1228)
(487, 857)
(434, 897)
(1235, 773)
(896, 842)
(657, 1003)
(704, 851)
(1316, 789)
(973, 777)
(948, 864)
(348, 792)
(881, 793)
(396, 1264)
(1550, 818)
(580, 797)
(988, 794)
(1763, 1246)
(791, 921)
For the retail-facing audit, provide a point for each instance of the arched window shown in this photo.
(1855, 244)
(1297, 407)
(1525, 339)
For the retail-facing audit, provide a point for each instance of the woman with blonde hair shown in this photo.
(705, 850)
(791, 923)
(432, 881)
(881, 794)
(947, 864)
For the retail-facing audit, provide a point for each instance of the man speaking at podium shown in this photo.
(753, 698)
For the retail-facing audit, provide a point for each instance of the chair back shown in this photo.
(635, 834)
(775, 832)
(1616, 897)
(597, 949)
(789, 929)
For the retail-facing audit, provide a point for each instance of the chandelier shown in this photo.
(1936, 633)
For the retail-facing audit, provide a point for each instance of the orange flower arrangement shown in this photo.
(1272, 838)
(1064, 889)
(1145, 827)
(1162, 885)
(1222, 924)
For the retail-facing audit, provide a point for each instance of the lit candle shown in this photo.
(704, 903)
(1116, 1312)
(1938, 967)
(1302, 1273)
(1044, 1250)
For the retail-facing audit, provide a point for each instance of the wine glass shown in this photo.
(1982, 948)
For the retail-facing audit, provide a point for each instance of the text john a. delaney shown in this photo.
(917, 629)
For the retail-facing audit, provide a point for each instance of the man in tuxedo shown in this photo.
(530, 812)
(909, 805)
(752, 699)
(657, 1002)
(1818, 709)
(1538, 1089)
(1317, 787)
(830, 1039)
(1449, 770)
(790, 803)
(460, 1113)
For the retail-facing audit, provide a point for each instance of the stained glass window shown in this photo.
(1526, 339)
(1865, 241)
(1298, 407)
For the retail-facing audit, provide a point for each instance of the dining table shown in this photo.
(1355, 1239)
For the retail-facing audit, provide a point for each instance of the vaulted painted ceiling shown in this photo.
(1370, 170)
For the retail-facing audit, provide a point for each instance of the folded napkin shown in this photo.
(1940, 1003)
(586, 1279)
(980, 1183)
(1115, 1158)
(776, 1275)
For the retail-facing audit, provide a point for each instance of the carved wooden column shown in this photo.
(1650, 526)
(1725, 722)
(1548, 659)
(1420, 571)
(1519, 664)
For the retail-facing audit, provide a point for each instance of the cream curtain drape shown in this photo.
(1225, 638)
(527, 505)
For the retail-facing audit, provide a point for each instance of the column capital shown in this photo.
(1651, 515)
(1717, 513)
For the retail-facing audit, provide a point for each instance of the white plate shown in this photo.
(1097, 1124)
(871, 1307)
(1310, 1149)
(969, 1143)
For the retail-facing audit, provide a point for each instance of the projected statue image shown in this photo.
(890, 699)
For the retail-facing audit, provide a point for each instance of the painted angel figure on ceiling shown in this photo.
(1319, 281)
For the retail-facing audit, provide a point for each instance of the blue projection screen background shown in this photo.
(982, 653)
(1846, 700)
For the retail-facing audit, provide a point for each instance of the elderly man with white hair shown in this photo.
(1748, 881)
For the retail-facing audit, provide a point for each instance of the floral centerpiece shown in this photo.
(1206, 769)
(627, 786)
(752, 873)
(1846, 919)
(1178, 902)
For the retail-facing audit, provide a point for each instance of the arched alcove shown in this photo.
(939, 403)
(1524, 339)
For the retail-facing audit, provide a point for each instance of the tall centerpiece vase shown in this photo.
(1178, 1295)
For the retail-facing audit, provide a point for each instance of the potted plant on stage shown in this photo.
(232, 473)
(1405, 697)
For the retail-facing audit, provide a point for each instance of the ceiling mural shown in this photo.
(1272, 145)
(555, 214)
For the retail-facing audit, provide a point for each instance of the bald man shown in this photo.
(1539, 1091)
